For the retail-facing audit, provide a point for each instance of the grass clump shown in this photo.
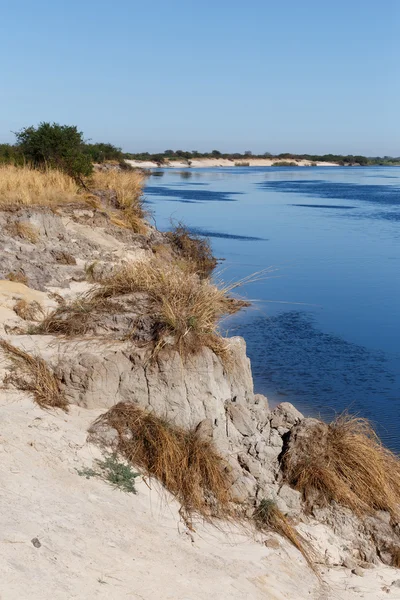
(115, 472)
(195, 250)
(31, 374)
(268, 517)
(345, 462)
(24, 230)
(183, 305)
(284, 163)
(186, 465)
(25, 186)
(28, 311)
(18, 277)
(78, 317)
(124, 191)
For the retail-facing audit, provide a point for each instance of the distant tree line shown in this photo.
(174, 155)
(52, 145)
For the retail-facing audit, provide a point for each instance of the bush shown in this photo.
(101, 152)
(189, 467)
(55, 146)
(10, 155)
(31, 374)
(182, 305)
(345, 462)
(194, 249)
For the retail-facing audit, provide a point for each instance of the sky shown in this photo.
(293, 76)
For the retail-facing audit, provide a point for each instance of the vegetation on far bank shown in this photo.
(242, 159)
(64, 147)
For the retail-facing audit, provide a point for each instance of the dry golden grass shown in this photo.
(24, 230)
(395, 553)
(187, 466)
(24, 186)
(31, 374)
(195, 251)
(18, 277)
(349, 465)
(29, 311)
(183, 305)
(268, 517)
(124, 190)
(76, 318)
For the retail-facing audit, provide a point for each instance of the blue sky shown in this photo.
(300, 76)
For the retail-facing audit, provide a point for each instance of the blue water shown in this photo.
(324, 329)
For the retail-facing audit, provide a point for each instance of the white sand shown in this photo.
(99, 542)
(224, 162)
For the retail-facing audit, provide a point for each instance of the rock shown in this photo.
(250, 464)
(285, 415)
(260, 411)
(204, 430)
(243, 488)
(272, 542)
(36, 542)
(241, 419)
(349, 563)
(275, 439)
(291, 497)
(357, 571)
(396, 583)
(282, 431)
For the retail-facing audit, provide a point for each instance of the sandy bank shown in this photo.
(225, 162)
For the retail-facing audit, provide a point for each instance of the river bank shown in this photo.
(102, 316)
(207, 163)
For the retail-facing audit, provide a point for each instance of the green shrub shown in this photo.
(102, 152)
(115, 472)
(55, 146)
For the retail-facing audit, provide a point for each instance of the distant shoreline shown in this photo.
(227, 162)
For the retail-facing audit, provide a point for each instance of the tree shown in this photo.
(101, 152)
(55, 146)
(248, 153)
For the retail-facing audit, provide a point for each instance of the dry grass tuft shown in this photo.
(24, 186)
(184, 306)
(31, 374)
(348, 465)
(194, 250)
(395, 554)
(76, 318)
(186, 465)
(124, 191)
(18, 277)
(29, 311)
(24, 230)
(268, 517)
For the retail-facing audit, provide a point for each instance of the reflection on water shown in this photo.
(189, 195)
(325, 328)
(227, 236)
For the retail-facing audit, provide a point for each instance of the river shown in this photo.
(324, 328)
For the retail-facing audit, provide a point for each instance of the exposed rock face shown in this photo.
(196, 393)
